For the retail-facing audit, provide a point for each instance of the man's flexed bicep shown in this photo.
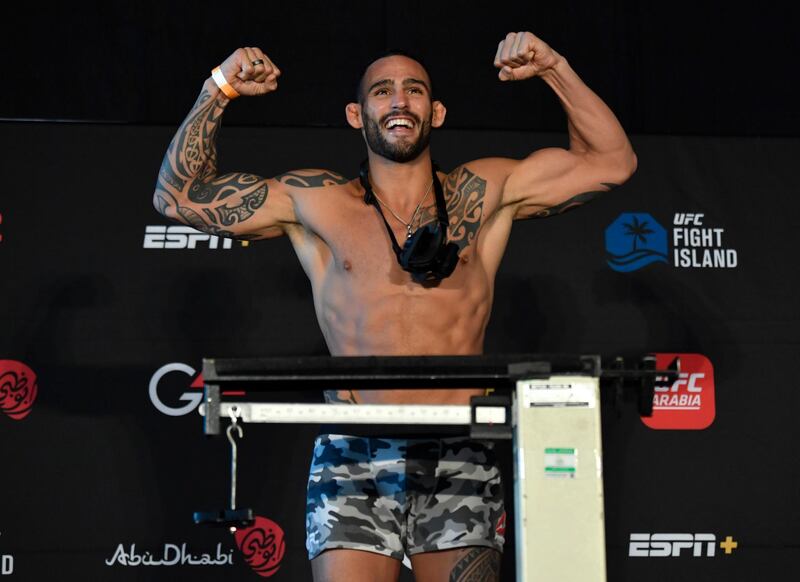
(238, 205)
(551, 181)
(600, 156)
(189, 188)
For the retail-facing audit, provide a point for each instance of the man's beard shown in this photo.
(401, 150)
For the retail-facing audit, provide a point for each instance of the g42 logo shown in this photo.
(158, 387)
(192, 398)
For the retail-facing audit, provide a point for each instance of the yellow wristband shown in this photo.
(223, 84)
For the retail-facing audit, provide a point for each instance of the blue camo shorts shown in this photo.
(403, 496)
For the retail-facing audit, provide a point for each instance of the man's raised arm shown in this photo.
(600, 156)
(189, 189)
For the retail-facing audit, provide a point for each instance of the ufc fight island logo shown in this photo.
(183, 237)
(698, 246)
(688, 402)
(675, 545)
(636, 239)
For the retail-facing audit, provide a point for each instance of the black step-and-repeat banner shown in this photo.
(106, 311)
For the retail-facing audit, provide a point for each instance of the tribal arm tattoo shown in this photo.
(190, 191)
(477, 565)
(574, 202)
(188, 175)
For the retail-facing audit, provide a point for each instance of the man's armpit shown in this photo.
(569, 204)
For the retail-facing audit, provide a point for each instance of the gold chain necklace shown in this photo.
(413, 216)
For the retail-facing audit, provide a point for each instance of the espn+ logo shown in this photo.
(674, 545)
(160, 236)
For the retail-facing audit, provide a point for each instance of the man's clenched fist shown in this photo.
(521, 55)
(250, 71)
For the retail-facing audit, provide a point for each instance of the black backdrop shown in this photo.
(93, 469)
(697, 67)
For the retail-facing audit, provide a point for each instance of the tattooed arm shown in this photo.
(242, 205)
(190, 190)
(600, 156)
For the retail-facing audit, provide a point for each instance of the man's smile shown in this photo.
(400, 125)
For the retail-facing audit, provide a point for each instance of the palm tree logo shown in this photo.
(644, 234)
(637, 230)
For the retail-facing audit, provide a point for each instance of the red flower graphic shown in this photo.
(17, 389)
(262, 545)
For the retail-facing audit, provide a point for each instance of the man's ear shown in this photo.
(353, 113)
(439, 113)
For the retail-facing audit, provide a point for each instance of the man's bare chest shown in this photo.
(355, 231)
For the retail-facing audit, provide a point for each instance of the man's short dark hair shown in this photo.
(360, 93)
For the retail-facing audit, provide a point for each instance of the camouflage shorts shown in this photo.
(396, 496)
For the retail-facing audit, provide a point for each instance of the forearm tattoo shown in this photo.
(464, 194)
(478, 565)
(190, 166)
(340, 397)
(573, 202)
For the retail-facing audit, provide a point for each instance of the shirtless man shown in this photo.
(440, 502)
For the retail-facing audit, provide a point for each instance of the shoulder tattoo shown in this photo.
(464, 194)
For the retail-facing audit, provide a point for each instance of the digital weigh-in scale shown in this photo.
(552, 413)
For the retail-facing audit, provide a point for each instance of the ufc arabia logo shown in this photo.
(685, 393)
(688, 401)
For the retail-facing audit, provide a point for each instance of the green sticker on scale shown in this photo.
(560, 463)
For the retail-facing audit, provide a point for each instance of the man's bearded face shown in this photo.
(397, 142)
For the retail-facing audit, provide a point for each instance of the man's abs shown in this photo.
(386, 319)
